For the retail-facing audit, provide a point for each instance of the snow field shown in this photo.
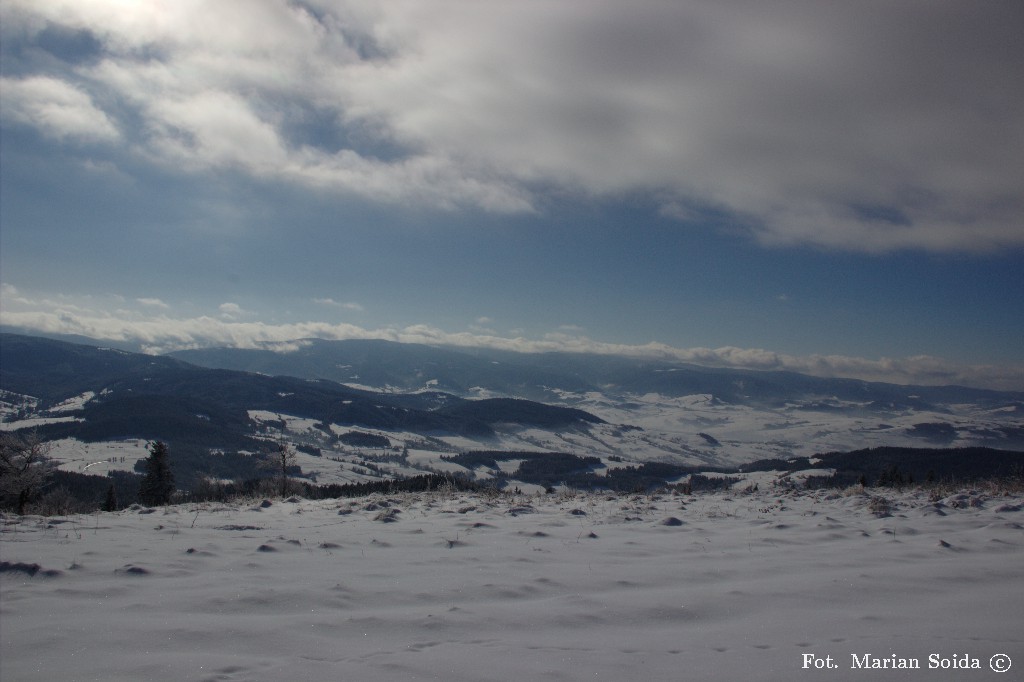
(441, 586)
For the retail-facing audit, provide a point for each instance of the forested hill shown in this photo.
(154, 397)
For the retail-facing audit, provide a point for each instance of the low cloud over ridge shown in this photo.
(163, 333)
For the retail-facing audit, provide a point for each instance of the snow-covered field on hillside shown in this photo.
(456, 586)
(695, 430)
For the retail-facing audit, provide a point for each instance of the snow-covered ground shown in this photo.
(11, 404)
(693, 430)
(443, 586)
(698, 429)
(97, 459)
(678, 428)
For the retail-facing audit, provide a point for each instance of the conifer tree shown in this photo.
(110, 503)
(158, 484)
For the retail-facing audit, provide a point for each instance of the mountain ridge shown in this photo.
(592, 432)
(437, 402)
(201, 410)
(408, 367)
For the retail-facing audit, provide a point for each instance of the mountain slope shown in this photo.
(199, 410)
(386, 365)
(54, 371)
(681, 411)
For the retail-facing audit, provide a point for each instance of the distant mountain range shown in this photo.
(326, 396)
(134, 396)
(725, 414)
(405, 367)
(123, 382)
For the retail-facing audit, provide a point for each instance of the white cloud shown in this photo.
(842, 125)
(223, 86)
(55, 107)
(216, 129)
(828, 124)
(483, 325)
(153, 302)
(10, 293)
(355, 307)
(102, 320)
(231, 311)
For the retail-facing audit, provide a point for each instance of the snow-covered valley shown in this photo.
(695, 430)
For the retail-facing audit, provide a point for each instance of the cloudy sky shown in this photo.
(829, 187)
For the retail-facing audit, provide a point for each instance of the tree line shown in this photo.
(30, 482)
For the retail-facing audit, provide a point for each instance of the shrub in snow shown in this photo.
(880, 506)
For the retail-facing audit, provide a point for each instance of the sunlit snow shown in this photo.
(450, 586)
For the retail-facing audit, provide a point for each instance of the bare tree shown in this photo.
(279, 463)
(24, 468)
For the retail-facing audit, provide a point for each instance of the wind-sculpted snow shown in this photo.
(443, 586)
